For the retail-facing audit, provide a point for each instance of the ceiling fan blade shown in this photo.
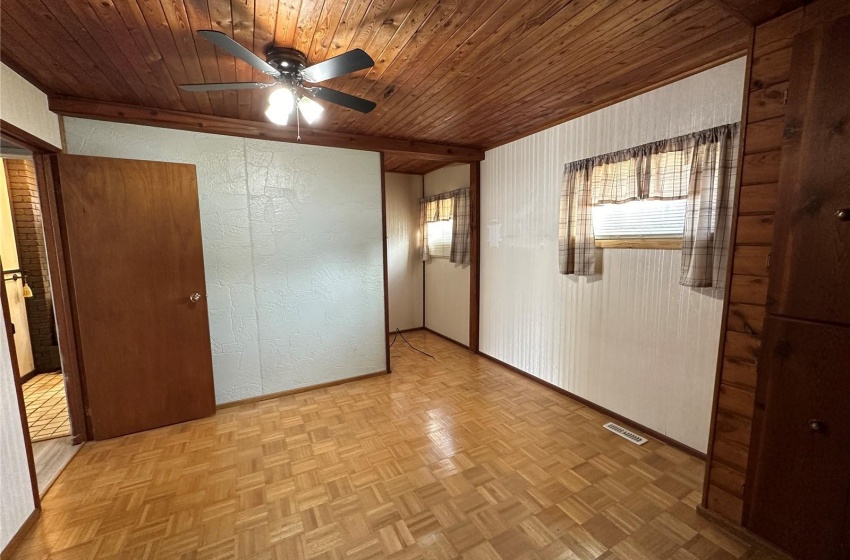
(222, 86)
(347, 62)
(224, 42)
(340, 98)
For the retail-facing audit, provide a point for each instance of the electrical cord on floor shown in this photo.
(398, 333)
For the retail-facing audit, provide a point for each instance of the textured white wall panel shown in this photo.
(292, 249)
(25, 106)
(404, 266)
(16, 501)
(632, 340)
(447, 284)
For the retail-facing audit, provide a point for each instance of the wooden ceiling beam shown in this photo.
(165, 118)
(731, 9)
(756, 12)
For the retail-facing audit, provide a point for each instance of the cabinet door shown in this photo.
(800, 474)
(810, 269)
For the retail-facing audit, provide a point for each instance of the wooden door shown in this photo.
(810, 268)
(132, 238)
(800, 475)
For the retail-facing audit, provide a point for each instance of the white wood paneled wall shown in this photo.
(631, 340)
(404, 266)
(447, 284)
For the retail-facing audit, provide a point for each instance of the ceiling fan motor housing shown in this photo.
(286, 60)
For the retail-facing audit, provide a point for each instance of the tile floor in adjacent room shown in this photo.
(452, 457)
(47, 409)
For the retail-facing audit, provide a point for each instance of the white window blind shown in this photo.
(639, 218)
(440, 238)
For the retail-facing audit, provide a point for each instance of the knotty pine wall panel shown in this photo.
(732, 419)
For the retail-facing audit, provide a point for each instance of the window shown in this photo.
(440, 238)
(639, 219)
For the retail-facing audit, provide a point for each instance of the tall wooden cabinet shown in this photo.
(798, 477)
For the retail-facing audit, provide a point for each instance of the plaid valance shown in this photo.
(452, 205)
(699, 167)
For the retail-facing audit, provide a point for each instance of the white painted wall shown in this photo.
(447, 284)
(632, 340)
(293, 252)
(404, 265)
(16, 502)
(25, 106)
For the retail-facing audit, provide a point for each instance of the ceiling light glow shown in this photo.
(310, 110)
(282, 100)
(278, 114)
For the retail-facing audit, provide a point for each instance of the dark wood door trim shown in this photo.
(474, 252)
(384, 248)
(26, 140)
(41, 151)
(46, 178)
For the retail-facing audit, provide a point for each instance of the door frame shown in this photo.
(66, 333)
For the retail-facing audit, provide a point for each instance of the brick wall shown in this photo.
(29, 233)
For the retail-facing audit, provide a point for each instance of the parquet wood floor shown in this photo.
(454, 457)
(47, 409)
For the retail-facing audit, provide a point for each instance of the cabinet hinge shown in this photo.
(768, 260)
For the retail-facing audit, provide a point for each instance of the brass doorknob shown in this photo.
(816, 425)
(843, 215)
(195, 297)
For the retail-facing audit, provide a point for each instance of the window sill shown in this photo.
(666, 243)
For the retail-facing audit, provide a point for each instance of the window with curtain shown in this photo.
(693, 176)
(440, 239)
(445, 227)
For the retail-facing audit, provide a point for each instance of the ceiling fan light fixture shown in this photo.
(310, 110)
(281, 104)
(282, 98)
(278, 114)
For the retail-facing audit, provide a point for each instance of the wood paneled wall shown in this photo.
(729, 443)
(733, 413)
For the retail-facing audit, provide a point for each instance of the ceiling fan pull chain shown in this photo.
(298, 121)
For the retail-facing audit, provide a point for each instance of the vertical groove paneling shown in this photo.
(632, 340)
(447, 284)
(404, 266)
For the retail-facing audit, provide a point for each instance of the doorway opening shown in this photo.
(439, 295)
(31, 317)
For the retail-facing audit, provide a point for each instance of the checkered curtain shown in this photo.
(708, 216)
(460, 228)
(453, 205)
(699, 166)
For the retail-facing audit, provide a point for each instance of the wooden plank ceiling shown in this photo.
(476, 73)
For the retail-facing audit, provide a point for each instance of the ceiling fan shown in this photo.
(289, 69)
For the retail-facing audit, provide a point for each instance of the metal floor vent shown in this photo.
(622, 432)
